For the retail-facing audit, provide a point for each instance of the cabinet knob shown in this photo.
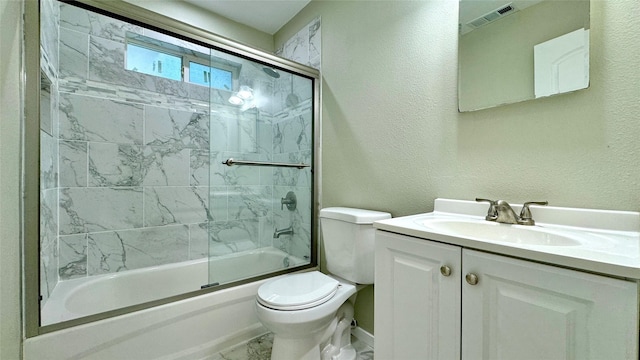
(445, 270)
(472, 279)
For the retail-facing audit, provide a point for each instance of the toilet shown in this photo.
(310, 313)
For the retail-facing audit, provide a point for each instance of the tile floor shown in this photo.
(260, 349)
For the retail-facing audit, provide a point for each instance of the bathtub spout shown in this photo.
(288, 231)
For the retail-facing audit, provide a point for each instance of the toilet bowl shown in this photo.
(303, 323)
(310, 313)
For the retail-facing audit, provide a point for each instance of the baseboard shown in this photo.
(363, 335)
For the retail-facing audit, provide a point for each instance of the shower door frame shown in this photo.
(30, 182)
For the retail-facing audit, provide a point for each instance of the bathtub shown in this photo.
(185, 329)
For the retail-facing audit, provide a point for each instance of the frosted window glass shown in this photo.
(210, 76)
(221, 79)
(199, 74)
(153, 62)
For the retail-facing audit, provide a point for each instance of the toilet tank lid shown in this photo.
(352, 215)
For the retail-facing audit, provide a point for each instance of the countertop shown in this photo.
(609, 245)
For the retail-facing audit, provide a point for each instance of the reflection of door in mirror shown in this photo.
(496, 46)
(562, 64)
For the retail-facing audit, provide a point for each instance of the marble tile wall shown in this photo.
(50, 17)
(141, 180)
(241, 195)
(293, 141)
(130, 186)
(133, 156)
(305, 46)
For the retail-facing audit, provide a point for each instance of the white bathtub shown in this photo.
(186, 329)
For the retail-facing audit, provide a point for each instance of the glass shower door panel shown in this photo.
(124, 165)
(260, 199)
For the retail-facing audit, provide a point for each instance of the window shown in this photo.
(153, 62)
(210, 76)
(171, 61)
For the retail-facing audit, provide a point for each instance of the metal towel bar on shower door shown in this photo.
(231, 162)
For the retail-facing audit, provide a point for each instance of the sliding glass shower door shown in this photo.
(261, 184)
(167, 164)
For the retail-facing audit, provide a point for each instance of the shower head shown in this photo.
(271, 72)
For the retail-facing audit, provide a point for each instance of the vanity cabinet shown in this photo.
(441, 301)
(417, 305)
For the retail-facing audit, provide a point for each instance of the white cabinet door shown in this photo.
(417, 310)
(523, 310)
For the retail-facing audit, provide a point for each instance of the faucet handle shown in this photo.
(525, 214)
(289, 200)
(492, 213)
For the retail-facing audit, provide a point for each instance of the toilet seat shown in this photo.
(297, 291)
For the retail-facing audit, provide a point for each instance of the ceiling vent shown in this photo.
(493, 16)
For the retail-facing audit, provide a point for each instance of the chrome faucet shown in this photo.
(287, 231)
(500, 211)
(505, 213)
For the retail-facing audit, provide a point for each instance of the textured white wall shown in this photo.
(203, 19)
(10, 36)
(393, 138)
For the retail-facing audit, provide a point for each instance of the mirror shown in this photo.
(512, 51)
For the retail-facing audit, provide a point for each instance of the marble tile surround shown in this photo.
(134, 156)
(292, 131)
(305, 46)
(49, 174)
(140, 180)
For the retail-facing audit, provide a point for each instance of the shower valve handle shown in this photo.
(289, 200)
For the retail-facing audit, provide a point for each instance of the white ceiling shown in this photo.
(265, 15)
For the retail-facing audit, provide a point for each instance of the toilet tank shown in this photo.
(348, 239)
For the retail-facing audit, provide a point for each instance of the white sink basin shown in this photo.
(599, 241)
(496, 232)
